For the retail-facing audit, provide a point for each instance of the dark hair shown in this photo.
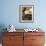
(24, 9)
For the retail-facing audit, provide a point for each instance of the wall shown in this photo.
(10, 13)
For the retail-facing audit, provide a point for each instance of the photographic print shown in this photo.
(26, 13)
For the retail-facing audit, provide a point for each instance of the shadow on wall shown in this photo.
(2, 26)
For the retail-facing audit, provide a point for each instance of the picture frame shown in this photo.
(26, 13)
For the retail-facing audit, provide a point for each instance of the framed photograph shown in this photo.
(26, 13)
